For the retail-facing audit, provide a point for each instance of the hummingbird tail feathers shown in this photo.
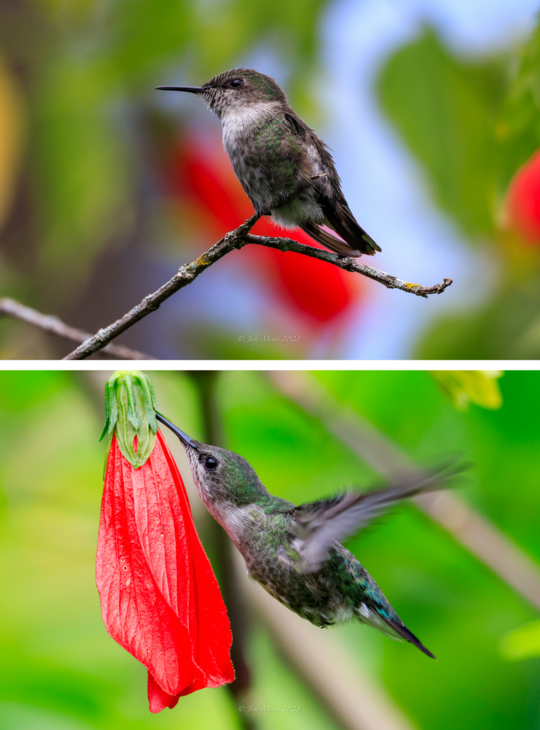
(341, 220)
(318, 233)
(407, 635)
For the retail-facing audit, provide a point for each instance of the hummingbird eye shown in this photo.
(236, 83)
(211, 463)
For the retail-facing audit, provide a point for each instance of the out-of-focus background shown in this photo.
(107, 186)
(58, 667)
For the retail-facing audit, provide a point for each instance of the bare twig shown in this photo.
(54, 325)
(349, 264)
(469, 528)
(237, 239)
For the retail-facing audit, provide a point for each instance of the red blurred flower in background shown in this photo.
(159, 597)
(522, 205)
(319, 292)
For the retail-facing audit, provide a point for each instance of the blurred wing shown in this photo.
(321, 524)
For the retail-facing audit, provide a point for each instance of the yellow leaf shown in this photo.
(522, 642)
(471, 386)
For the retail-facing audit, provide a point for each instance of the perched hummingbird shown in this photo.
(295, 552)
(286, 170)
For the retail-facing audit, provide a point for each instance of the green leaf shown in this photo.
(517, 129)
(442, 108)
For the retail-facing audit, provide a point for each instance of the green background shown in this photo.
(58, 667)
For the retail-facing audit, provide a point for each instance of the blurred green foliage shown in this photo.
(81, 186)
(523, 642)
(470, 123)
(516, 126)
(443, 107)
(58, 667)
(107, 61)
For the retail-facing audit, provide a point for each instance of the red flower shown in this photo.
(522, 208)
(159, 597)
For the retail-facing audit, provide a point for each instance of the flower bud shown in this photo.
(130, 414)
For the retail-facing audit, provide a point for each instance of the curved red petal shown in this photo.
(158, 699)
(211, 631)
(133, 609)
(159, 596)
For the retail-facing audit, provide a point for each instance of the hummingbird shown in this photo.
(286, 170)
(295, 552)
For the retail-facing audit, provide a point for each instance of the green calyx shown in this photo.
(130, 411)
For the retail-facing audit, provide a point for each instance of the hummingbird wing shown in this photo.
(349, 238)
(321, 524)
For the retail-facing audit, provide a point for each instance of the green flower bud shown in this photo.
(130, 410)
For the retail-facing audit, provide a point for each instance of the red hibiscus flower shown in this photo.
(159, 597)
(522, 205)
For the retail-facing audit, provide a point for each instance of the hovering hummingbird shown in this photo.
(285, 169)
(294, 552)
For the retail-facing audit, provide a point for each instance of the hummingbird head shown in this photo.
(221, 476)
(234, 90)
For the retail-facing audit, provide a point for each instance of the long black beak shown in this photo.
(191, 89)
(184, 438)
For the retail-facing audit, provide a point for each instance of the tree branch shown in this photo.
(349, 264)
(237, 239)
(54, 325)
